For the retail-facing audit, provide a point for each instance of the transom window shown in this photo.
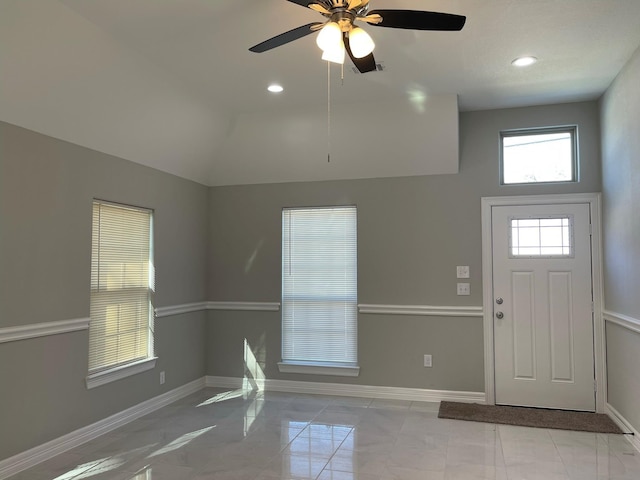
(544, 155)
(542, 237)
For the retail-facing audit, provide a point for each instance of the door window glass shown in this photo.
(542, 237)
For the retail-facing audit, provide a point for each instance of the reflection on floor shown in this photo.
(222, 434)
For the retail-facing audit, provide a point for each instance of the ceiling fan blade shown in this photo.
(419, 20)
(319, 8)
(302, 3)
(317, 4)
(353, 4)
(373, 19)
(286, 37)
(364, 64)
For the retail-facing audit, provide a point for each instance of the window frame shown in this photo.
(315, 367)
(571, 129)
(117, 371)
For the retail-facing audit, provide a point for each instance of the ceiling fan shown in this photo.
(339, 34)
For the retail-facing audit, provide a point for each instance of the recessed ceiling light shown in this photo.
(524, 61)
(275, 88)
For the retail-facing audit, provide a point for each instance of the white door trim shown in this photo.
(594, 201)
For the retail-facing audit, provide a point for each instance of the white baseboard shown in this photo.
(30, 458)
(46, 451)
(347, 390)
(624, 424)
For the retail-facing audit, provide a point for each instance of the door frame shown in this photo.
(594, 201)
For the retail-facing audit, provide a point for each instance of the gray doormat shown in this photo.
(529, 417)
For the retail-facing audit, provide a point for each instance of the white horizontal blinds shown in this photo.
(319, 285)
(121, 329)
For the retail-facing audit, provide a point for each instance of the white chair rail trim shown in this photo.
(200, 306)
(625, 321)
(251, 306)
(180, 309)
(422, 310)
(419, 310)
(23, 332)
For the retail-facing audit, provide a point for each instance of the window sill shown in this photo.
(117, 373)
(336, 370)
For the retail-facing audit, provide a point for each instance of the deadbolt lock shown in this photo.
(499, 315)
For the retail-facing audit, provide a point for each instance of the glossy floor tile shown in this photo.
(225, 434)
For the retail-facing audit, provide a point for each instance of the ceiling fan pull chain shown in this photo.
(328, 112)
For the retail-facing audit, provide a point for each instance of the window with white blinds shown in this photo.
(319, 286)
(122, 284)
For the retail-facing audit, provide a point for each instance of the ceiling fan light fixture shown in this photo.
(335, 55)
(524, 61)
(337, 35)
(360, 42)
(330, 36)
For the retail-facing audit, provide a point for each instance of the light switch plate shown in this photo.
(462, 271)
(464, 289)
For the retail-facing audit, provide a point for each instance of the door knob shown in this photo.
(499, 315)
(499, 300)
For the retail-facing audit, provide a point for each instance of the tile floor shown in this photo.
(224, 434)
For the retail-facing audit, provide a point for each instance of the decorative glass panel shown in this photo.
(541, 237)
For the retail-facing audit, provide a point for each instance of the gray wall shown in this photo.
(224, 244)
(620, 114)
(412, 232)
(46, 191)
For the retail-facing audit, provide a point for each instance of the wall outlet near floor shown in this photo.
(427, 361)
(464, 289)
(162, 378)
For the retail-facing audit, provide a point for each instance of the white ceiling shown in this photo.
(171, 83)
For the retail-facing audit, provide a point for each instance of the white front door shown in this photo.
(543, 319)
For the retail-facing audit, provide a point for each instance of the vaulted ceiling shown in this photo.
(171, 83)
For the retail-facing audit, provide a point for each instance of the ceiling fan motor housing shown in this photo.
(357, 6)
(344, 19)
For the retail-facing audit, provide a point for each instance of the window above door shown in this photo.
(539, 155)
